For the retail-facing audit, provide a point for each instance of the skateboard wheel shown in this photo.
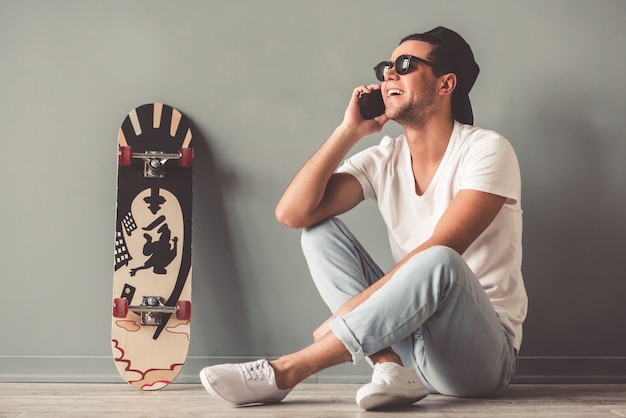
(183, 310)
(186, 157)
(125, 155)
(120, 307)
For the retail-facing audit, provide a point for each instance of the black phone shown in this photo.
(371, 104)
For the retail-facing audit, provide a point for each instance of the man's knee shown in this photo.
(318, 234)
(438, 265)
(442, 255)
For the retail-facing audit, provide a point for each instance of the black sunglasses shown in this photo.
(402, 64)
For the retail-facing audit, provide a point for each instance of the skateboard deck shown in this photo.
(151, 319)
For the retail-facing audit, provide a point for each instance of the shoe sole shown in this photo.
(379, 399)
(213, 392)
(209, 388)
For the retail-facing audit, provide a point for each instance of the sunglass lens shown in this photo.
(403, 64)
(381, 69)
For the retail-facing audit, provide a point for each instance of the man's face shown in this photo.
(410, 98)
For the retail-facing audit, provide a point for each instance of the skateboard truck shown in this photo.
(152, 310)
(154, 161)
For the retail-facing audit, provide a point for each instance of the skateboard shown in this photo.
(151, 320)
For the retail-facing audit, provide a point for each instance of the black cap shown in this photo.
(461, 59)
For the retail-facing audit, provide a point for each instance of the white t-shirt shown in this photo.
(475, 159)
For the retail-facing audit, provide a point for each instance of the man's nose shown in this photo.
(391, 74)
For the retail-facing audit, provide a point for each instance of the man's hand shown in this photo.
(353, 120)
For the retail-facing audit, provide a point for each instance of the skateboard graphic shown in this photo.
(151, 320)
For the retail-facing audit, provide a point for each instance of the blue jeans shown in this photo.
(433, 312)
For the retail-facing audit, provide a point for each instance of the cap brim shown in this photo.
(462, 109)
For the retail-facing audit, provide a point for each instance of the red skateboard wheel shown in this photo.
(120, 307)
(186, 157)
(125, 155)
(183, 310)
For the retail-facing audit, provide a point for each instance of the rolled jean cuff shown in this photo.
(341, 330)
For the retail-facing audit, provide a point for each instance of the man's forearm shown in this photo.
(306, 191)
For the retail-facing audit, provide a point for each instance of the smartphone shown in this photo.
(371, 104)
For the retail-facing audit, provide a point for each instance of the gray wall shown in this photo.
(264, 83)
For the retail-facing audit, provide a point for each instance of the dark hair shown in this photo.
(438, 54)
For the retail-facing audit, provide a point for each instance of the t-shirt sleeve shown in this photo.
(491, 166)
(358, 166)
(366, 166)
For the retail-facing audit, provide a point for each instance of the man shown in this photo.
(448, 316)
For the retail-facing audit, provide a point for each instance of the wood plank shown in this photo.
(26, 400)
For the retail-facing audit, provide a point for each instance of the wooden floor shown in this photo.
(306, 401)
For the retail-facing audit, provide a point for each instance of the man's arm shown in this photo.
(467, 216)
(317, 192)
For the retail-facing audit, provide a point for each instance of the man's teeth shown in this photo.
(394, 92)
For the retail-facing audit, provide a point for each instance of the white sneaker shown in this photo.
(392, 385)
(242, 384)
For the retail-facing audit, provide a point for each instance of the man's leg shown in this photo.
(341, 268)
(461, 347)
(339, 265)
(292, 369)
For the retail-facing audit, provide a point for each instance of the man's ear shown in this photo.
(448, 84)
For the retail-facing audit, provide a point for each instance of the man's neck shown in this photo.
(428, 143)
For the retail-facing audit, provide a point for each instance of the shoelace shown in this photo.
(382, 370)
(257, 370)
